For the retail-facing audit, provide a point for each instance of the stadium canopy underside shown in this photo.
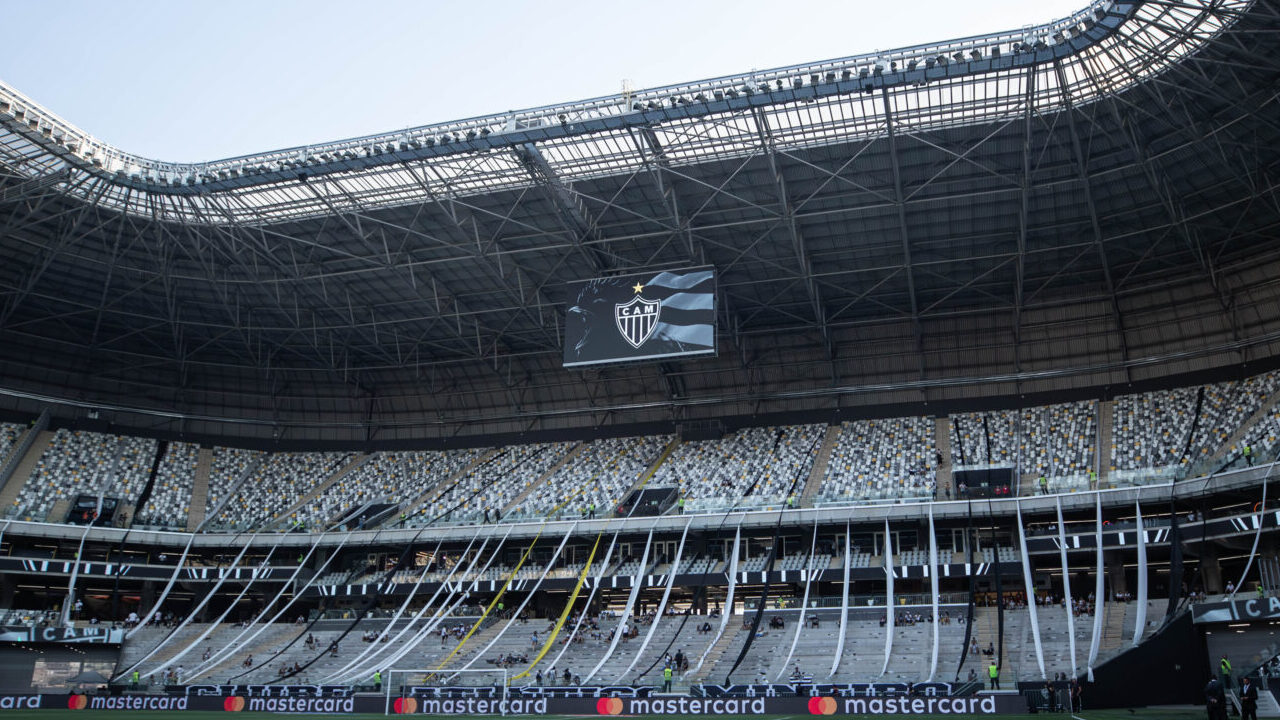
(1088, 203)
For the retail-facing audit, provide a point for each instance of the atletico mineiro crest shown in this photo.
(637, 319)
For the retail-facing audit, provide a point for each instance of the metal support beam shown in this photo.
(570, 209)
(903, 233)
(1082, 174)
(787, 209)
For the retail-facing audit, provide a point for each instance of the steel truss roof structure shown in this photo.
(1087, 202)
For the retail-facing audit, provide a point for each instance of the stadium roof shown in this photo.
(1081, 203)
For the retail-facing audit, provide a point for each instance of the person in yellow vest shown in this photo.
(666, 679)
(1044, 485)
(377, 681)
(134, 680)
(1248, 454)
(1093, 479)
(994, 673)
(1224, 667)
(680, 504)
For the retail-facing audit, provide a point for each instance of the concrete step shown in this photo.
(519, 498)
(200, 488)
(819, 470)
(25, 467)
(58, 513)
(1233, 442)
(1267, 705)
(1106, 440)
(942, 440)
(648, 474)
(355, 462)
(262, 646)
(430, 493)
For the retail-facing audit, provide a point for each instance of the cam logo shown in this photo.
(636, 319)
(609, 706)
(233, 704)
(822, 706)
(405, 706)
(77, 702)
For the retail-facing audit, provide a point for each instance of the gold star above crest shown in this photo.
(637, 287)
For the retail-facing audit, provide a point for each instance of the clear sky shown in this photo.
(188, 81)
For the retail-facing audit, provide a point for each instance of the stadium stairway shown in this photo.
(647, 475)
(430, 493)
(1238, 435)
(818, 472)
(200, 488)
(1106, 441)
(263, 646)
(717, 651)
(942, 441)
(25, 467)
(354, 463)
(137, 647)
(525, 492)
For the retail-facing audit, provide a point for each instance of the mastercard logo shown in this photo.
(77, 702)
(608, 706)
(405, 706)
(822, 706)
(233, 704)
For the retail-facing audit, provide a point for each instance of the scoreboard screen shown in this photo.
(646, 316)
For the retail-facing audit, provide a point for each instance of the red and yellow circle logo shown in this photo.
(822, 706)
(233, 704)
(609, 706)
(405, 706)
(77, 702)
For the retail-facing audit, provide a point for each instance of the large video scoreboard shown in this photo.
(646, 316)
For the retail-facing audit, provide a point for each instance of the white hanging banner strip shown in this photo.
(1253, 552)
(804, 602)
(933, 587)
(459, 593)
(173, 579)
(1099, 590)
(260, 623)
(1066, 590)
(636, 582)
(1140, 622)
(582, 616)
(519, 611)
(375, 649)
(888, 598)
(223, 574)
(253, 577)
(75, 574)
(662, 604)
(727, 610)
(1032, 612)
(844, 605)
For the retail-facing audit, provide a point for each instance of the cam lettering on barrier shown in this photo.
(32, 634)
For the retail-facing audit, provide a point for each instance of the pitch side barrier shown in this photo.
(683, 706)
